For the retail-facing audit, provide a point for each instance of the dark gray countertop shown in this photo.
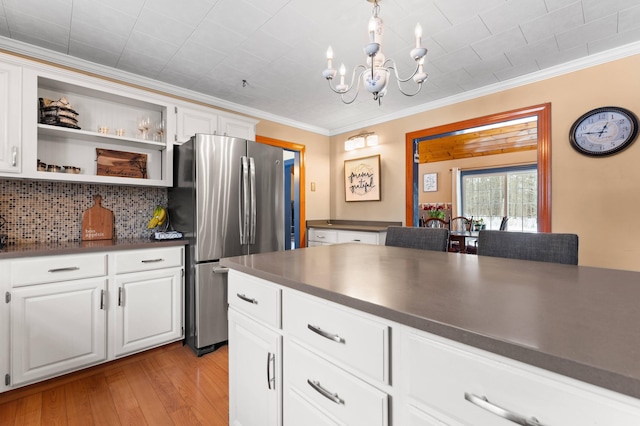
(352, 225)
(74, 247)
(578, 321)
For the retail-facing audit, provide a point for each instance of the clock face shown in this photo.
(604, 131)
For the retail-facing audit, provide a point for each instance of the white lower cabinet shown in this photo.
(147, 310)
(255, 372)
(471, 387)
(56, 328)
(67, 312)
(321, 236)
(340, 366)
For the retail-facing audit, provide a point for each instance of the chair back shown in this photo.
(541, 247)
(436, 239)
(503, 223)
(434, 222)
(460, 224)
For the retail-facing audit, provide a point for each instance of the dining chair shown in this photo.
(541, 247)
(436, 239)
(458, 224)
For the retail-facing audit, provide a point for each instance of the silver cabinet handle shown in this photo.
(271, 358)
(320, 236)
(326, 335)
(152, 260)
(247, 299)
(14, 156)
(322, 391)
(70, 268)
(483, 402)
(220, 270)
(102, 299)
(120, 290)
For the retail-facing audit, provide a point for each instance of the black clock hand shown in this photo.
(603, 130)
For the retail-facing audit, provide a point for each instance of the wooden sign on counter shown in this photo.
(97, 222)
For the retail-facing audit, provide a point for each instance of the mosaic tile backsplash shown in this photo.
(38, 211)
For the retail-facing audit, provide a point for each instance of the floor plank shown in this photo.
(164, 386)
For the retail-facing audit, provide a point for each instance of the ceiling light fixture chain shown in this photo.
(375, 74)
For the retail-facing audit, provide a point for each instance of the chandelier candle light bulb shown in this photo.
(375, 74)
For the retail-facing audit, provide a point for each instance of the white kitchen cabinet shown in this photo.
(237, 126)
(67, 312)
(193, 120)
(468, 386)
(321, 236)
(147, 311)
(146, 299)
(10, 114)
(114, 109)
(57, 328)
(255, 356)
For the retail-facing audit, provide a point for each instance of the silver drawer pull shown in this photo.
(152, 260)
(483, 402)
(322, 391)
(326, 335)
(247, 299)
(70, 268)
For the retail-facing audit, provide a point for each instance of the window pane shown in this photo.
(492, 194)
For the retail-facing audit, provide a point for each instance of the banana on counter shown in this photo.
(159, 217)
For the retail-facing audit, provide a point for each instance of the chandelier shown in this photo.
(374, 76)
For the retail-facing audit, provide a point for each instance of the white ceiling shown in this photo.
(278, 46)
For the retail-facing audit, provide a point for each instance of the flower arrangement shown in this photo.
(438, 211)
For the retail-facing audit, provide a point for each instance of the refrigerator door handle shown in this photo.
(252, 172)
(244, 199)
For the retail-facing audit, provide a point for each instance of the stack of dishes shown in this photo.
(58, 113)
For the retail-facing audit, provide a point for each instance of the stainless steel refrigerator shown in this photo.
(228, 200)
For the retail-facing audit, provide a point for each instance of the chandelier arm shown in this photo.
(395, 70)
(410, 94)
(357, 89)
(350, 85)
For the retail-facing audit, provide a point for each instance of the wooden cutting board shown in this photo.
(97, 222)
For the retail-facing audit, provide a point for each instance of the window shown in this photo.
(490, 194)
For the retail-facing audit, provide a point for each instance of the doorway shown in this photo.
(543, 114)
(296, 205)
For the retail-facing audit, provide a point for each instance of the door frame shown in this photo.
(299, 148)
(543, 114)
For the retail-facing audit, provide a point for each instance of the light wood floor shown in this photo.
(163, 386)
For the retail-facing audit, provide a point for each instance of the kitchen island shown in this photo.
(576, 326)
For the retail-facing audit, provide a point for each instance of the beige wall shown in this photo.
(317, 164)
(590, 196)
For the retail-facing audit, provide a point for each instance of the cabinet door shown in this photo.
(192, 121)
(147, 310)
(10, 110)
(236, 127)
(56, 328)
(255, 373)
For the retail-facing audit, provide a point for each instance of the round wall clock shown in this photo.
(604, 131)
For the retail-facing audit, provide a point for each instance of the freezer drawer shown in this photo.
(211, 304)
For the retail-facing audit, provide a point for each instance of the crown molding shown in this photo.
(545, 74)
(29, 51)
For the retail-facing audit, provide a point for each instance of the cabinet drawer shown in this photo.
(439, 376)
(323, 236)
(147, 259)
(358, 237)
(341, 334)
(51, 269)
(335, 392)
(255, 297)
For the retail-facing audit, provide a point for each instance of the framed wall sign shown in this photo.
(362, 179)
(430, 182)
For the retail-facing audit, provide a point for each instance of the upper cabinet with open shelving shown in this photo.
(120, 136)
(108, 144)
